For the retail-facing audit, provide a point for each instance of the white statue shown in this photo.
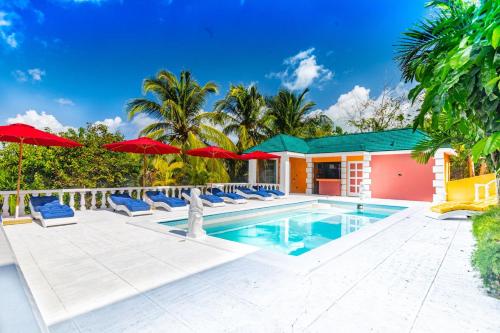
(195, 215)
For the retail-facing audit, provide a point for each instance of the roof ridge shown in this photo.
(348, 134)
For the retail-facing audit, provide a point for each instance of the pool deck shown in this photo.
(112, 273)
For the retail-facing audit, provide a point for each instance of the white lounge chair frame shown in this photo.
(53, 221)
(123, 208)
(164, 205)
(253, 196)
(205, 202)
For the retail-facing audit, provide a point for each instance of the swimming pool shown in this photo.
(296, 229)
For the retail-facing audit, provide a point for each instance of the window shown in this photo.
(266, 171)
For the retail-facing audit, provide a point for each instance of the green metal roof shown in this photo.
(397, 139)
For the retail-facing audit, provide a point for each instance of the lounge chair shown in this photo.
(50, 212)
(467, 197)
(247, 193)
(124, 203)
(158, 199)
(228, 197)
(277, 194)
(207, 199)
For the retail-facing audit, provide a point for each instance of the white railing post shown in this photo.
(103, 200)
(22, 206)
(93, 200)
(82, 201)
(72, 200)
(5, 205)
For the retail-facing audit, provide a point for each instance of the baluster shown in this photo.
(5, 205)
(22, 205)
(93, 200)
(72, 200)
(82, 201)
(103, 200)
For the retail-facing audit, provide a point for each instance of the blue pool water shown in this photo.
(297, 230)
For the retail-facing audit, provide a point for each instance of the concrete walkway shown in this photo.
(104, 275)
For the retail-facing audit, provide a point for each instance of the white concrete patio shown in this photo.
(408, 274)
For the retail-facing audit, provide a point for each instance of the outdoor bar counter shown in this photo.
(328, 186)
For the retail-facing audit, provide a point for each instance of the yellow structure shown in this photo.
(467, 196)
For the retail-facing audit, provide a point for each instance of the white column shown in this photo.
(5, 206)
(285, 173)
(252, 171)
(439, 183)
(309, 175)
(367, 181)
(343, 175)
(82, 201)
(93, 201)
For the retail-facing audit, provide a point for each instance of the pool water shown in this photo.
(297, 230)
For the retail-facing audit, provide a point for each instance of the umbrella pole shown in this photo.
(144, 172)
(19, 171)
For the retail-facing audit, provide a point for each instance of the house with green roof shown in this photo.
(371, 165)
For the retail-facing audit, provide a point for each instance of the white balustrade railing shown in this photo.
(95, 198)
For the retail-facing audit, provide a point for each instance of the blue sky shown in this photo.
(69, 62)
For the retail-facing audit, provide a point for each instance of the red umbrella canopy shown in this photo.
(29, 135)
(212, 152)
(258, 155)
(142, 146)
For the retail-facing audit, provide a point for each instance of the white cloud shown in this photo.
(4, 22)
(39, 120)
(36, 75)
(20, 76)
(7, 33)
(113, 124)
(302, 71)
(357, 103)
(64, 101)
(130, 128)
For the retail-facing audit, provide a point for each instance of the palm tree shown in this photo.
(176, 105)
(242, 113)
(289, 112)
(452, 58)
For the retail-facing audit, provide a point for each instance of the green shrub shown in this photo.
(486, 257)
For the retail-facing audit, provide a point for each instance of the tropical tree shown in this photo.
(319, 125)
(390, 110)
(89, 166)
(453, 57)
(175, 104)
(289, 112)
(242, 112)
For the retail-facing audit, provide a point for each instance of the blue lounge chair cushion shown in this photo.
(50, 208)
(211, 198)
(158, 196)
(259, 192)
(38, 202)
(275, 192)
(133, 205)
(223, 194)
(207, 197)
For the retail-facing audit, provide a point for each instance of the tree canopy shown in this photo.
(453, 58)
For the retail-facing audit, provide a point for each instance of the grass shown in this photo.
(486, 257)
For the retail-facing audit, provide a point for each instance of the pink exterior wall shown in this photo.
(399, 176)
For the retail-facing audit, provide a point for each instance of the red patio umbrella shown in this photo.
(259, 155)
(144, 146)
(213, 152)
(25, 134)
